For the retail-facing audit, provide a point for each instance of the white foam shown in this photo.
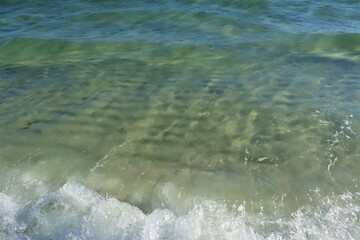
(8, 210)
(76, 212)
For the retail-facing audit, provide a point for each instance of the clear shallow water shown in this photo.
(212, 119)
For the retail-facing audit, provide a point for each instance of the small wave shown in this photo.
(77, 212)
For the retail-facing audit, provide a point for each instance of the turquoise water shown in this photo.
(179, 119)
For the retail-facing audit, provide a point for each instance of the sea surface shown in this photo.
(194, 119)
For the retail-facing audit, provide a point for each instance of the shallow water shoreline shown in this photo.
(182, 120)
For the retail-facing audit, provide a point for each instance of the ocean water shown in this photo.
(196, 119)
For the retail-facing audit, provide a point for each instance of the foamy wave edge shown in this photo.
(77, 212)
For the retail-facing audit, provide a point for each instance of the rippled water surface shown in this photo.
(179, 119)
